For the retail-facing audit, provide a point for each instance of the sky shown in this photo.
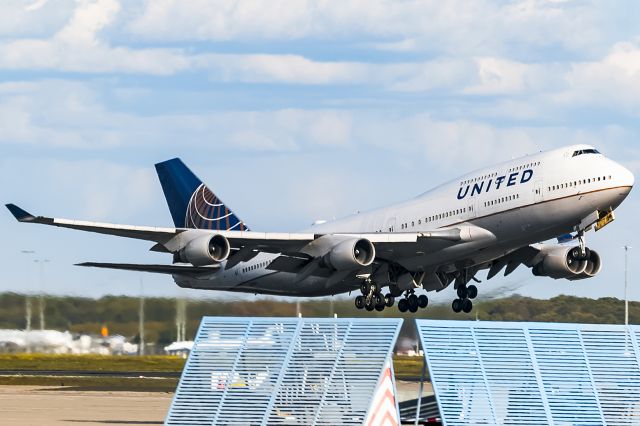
(293, 111)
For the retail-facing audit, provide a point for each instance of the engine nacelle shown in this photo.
(558, 262)
(351, 254)
(206, 250)
(594, 266)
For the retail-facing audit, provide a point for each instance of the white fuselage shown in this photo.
(521, 202)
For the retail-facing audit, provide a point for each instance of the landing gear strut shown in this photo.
(581, 252)
(463, 303)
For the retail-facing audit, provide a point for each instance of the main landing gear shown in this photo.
(463, 302)
(372, 298)
(411, 302)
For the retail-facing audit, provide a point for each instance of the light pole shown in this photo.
(27, 298)
(626, 284)
(141, 318)
(41, 262)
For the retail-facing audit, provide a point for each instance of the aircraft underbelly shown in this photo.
(276, 283)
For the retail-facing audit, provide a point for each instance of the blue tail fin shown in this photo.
(191, 203)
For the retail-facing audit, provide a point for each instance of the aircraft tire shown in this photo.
(413, 303)
(389, 300)
(423, 301)
(462, 292)
(467, 306)
(456, 305)
(472, 291)
(360, 302)
(403, 305)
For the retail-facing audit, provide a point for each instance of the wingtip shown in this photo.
(20, 214)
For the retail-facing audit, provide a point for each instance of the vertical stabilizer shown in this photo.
(191, 203)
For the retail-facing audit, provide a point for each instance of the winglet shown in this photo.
(19, 214)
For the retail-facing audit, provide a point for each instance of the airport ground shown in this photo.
(52, 405)
(37, 389)
(37, 405)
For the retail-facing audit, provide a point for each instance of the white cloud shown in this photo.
(613, 81)
(76, 47)
(478, 27)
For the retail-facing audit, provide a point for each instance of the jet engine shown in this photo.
(561, 262)
(206, 250)
(594, 266)
(351, 254)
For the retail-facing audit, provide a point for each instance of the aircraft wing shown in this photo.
(247, 244)
(159, 235)
(159, 269)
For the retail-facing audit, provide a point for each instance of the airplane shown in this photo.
(497, 218)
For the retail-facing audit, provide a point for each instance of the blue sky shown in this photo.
(294, 111)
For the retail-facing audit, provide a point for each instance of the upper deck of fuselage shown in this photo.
(482, 182)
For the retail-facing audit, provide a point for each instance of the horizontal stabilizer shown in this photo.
(159, 269)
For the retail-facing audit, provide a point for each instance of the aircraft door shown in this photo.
(391, 225)
(538, 191)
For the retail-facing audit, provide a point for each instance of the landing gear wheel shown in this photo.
(360, 302)
(576, 253)
(389, 300)
(472, 291)
(378, 299)
(369, 306)
(423, 301)
(413, 303)
(467, 306)
(403, 305)
(457, 305)
(462, 292)
(364, 288)
(380, 308)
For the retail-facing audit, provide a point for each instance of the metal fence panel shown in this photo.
(533, 373)
(293, 371)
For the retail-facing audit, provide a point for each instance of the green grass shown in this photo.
(405, 368)
(91, 362)
(408, 367)
(94, 383)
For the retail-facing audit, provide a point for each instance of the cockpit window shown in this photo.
(585, 151)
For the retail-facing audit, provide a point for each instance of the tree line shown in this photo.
(120, 313)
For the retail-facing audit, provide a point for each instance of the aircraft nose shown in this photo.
(626, 177)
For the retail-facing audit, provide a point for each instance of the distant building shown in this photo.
(63, 342)
(179, 348)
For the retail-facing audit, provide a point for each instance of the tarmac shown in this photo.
(44, 406)
(37, 405)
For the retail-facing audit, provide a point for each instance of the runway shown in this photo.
(81, 373)
(44, 406)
